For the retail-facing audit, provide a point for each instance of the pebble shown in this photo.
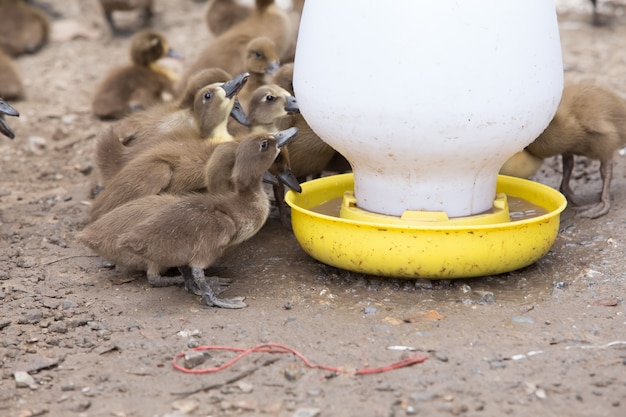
(523, 319)
(245, 387)
(370, 310)
(307, 412)
(24, 380)
(195, 358)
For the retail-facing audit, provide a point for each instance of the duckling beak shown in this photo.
(269, 178)
(283, 137)
(5, 129)
(8, 110)
(287, 178)
(272, 67)
(292, 105)
(238, 114)
(171, 53)
(234, 86)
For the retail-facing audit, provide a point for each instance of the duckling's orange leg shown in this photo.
(209, 297)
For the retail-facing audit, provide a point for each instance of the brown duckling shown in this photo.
(135, 134)
(262, 63)
(522, 165)
(24, 28)
(172, 164)
(227, 50)
(590, 121)
(110, 6)
(221, 15)
(139, 85)
(11, 87)
(192, 231)
(9, 111)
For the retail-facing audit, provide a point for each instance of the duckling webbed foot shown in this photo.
(194, 287)
(593, 211)
(209, 296)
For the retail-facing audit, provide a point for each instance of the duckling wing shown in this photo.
(184, 233)
(135, 180)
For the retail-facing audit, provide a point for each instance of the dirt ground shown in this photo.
(547, 340)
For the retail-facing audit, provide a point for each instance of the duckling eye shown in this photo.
(208, 96)
(270, 97)
(264, 146)
(258, 54)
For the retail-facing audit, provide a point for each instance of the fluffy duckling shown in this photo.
(9, 111)
(172, 164)
(221, 15)
(590, 121)
(227, 50)
(262, 62)
(11, 86)
(110, 6)
(133, 135)
(24, 28)
(139, 85)
(522, 165)
(159, 232)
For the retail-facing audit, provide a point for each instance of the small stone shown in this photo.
(24, 380)
(67, 304)
(195, 358)
(410, 410)
(423, 284)
(307, 412)
(486, 297)
(466, 289)
(58, 327)
(523, 319)
(186, 406)
(245, 387)
(314, 392)
(70, 386)
(560, 285)
(370, 310)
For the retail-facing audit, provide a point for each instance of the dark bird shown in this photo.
(590, 121)
(9, 111)
(24, 28)
(139, 85)
(111, 6)
(192, 231)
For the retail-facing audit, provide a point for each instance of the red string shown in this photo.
(277, 348)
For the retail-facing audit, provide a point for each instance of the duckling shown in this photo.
(192, 231)
(227, 50)
(110, 6)
(11, 87)
(590, 121)
(10, 111)
(221, 15)
(262, 63)
(136, 133)
(171, 165)
(24, 28)
(139, 85)
(522, 165)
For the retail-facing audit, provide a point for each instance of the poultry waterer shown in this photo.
(427, 100)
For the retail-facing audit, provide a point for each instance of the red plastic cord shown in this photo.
(277, 348)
